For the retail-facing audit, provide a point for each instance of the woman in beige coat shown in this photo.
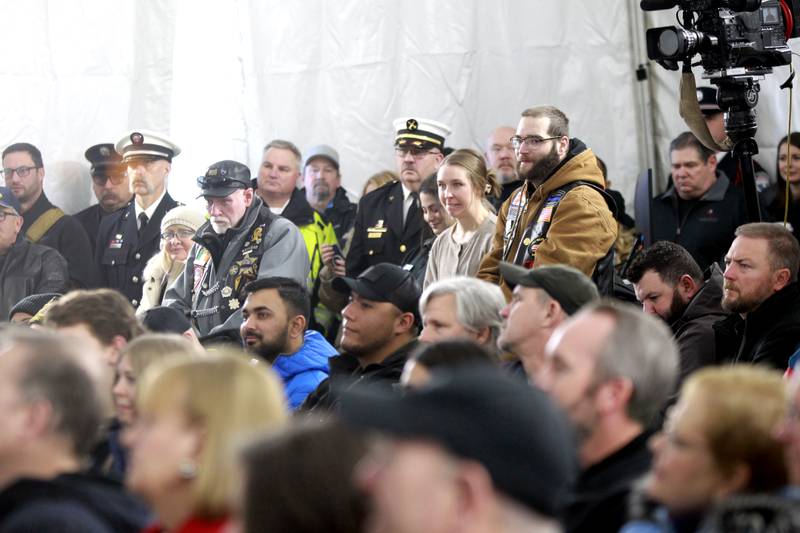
(177, 229)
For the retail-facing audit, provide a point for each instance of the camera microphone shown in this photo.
(656, 5)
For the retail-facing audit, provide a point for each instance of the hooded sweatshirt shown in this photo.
(303, 370)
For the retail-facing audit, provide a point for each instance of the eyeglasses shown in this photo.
(22, 172)
(6, 214)
(116, 178)
(531, 141)
(180, 234)
(416, 153)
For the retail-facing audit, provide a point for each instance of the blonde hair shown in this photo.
(226, 395)
(483, 178)
(742, 405)
(151, 347)
(379, 179)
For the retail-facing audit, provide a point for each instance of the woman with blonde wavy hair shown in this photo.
(718, 442)
(191, 413)
(465, 183)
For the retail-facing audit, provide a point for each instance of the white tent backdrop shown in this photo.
(224, 77)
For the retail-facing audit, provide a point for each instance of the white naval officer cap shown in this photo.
(146, 144)
(420, 133)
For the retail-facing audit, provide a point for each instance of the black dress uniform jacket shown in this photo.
(342, 215)
(380, 236)
(121, 254)
(90, 219)
(68, 238)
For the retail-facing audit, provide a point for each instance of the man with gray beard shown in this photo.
(560, 214)
(242, 241)
(760, 290)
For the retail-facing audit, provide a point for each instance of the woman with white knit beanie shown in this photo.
(177, 229)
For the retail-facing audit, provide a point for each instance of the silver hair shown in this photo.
(641, 348)
(478, 304)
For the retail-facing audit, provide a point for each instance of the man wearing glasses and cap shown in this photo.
(242, 241)
(129, 237)
(389, 222)
(110, 187)
(43, 223)
(25, 268)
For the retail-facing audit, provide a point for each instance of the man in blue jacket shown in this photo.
(275, 317)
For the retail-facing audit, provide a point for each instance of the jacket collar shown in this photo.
(41, 205)
(216, 243)
(774, 307)
(579, 164)
(715, 194)
(298, 211)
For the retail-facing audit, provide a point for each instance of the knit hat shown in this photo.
(183, 215)
(33, 303)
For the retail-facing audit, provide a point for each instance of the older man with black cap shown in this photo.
(542, 299)
(389, 222)
(242, 241)
(131, 236)
(379, 330)
(25, 268)
(474, 450)
(110, 186)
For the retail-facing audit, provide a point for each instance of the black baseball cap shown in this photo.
(161, 319)
(570, 287)
(513, 429)
(224, 177)
(385, 282)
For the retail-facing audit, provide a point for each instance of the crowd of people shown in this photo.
(460, 350)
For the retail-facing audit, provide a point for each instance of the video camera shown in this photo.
(733, 37)
(739, 41)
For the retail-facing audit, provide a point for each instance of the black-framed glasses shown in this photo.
(5, 214)
(22, 172)
(180, 234)
(416, 153)
(531, 141)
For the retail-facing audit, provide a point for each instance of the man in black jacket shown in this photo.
(128, 238)
(44, 223)
(612, 369)
(110, 186)
(761, 291)
(703, 208)
(389, 222)
(322, 182)
(25, 268)
(51, 414)
(379, 331)
(669, 284)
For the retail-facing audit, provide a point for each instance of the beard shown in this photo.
(742, 304)
(676, 308)
(220, 225)
(321, 191)
(269, 349)
(541, 169)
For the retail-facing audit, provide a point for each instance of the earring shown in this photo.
(187, 469)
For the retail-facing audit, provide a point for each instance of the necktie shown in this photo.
(143, 219)
(413, 208)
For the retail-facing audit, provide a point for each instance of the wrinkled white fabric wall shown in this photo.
(224, 77)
